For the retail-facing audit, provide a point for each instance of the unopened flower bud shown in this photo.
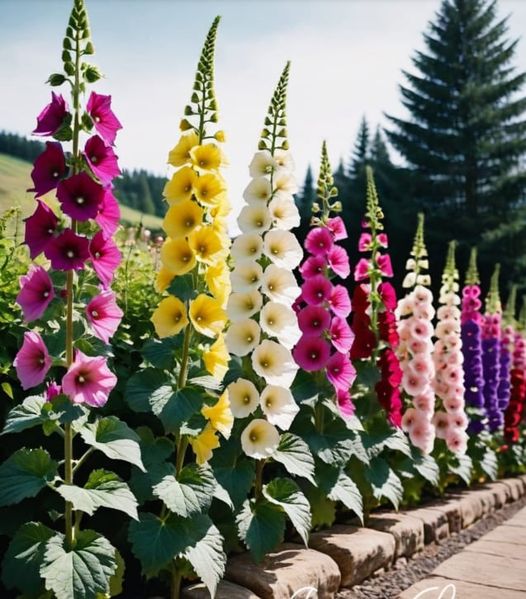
(214, 118)
(66, 44)
(89, 49)
(92, 73)
(315, 207)
(56, 79)
(185, 125)
(66, 56)
(188, 110)
(337, 207)
(194, 98)
(285, 145)
(265, 134)
(220, 136)
(69, 68)
(262, 145)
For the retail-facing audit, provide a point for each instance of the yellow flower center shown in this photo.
(246, 399)
(253, 437)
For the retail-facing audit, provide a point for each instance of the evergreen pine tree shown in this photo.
(146, 200)
(359, 161)
(304, 201)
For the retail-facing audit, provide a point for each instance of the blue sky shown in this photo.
(346, 58)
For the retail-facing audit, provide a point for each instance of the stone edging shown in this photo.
(346, 555)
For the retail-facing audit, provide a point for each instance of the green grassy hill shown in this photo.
(15, 179)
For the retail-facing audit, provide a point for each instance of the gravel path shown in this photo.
(389, 584)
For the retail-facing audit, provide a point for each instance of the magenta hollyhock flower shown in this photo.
(361, 270)
(52, 390)
(382, 240)
(52, 116)
(340, 371)
(341, 334)
(105, 257)
(339, 261)
(80, 196)
(365, 241)
(104, 120)
(311, 353)
(314, 265)
(109, 214)
(101, 159)
(344, 401)
(36, 292)
(313, 320)
(104, 315)
(40, 229)
(88, 380)
(32, 361)
(384, 264)
(388, 295)
(337, 228)
(339, 301)
(318, 241)
(48, 168)
(316, 290)
(67, 251)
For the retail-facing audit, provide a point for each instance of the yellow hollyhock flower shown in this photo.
(220, 415)
(182, 218)
(169, 318)
(207, 244)
(204, 444)
(180, 186)
(163, 279)
(207, 157)
(216, 358)
(177, 256)
(209, 188)
(222, 210)
(217, 278)
(180, 154)
(207, 316)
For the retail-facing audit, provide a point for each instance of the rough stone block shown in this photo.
(451, 508)
(500, 493)
(471, 508)
(225, 590)
(407, 531)
(516, 487)
(436, 524)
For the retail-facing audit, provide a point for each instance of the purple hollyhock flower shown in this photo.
(473, 372)
(105, 257)
(104, 120)
(339, 261)
(52, 116)
(40, 229)
(48, 169)
(80, 196)
(316, 290)
(104, 315)
(68, 251)
(313, 320)
(318, 241)
(36, 293)
(503, 389)
(32, 361)
(101, 159)
(109, 214)
(88, 380)
(311, 353)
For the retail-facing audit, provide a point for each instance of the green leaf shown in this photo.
(183, 287)
(190, 493)
(115, 439)
(380, 438)
(337, 486)
(286, 493)
(426, 466)
(82, 572)
(462, 466)
(103, 489)
(148, 391)
(336, 445)
(489, 464)
(236, 479)
(295, 455)
(161, 352)
(384, 481)
(7, 389)
(62, 410)
(24, 474)
(261, 526)
(21, 564)
(25, 415)
(305, 387)
(180, 407)
(323, 509)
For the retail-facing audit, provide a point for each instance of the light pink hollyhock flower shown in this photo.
(453, 403)
(384, 264)
(104, 315)
(453, 342)
(406, 305)
(403, 330)
(409, 419)
(458, 420)
(414, 384)
(421, 365)
(447, 328)
(341, 334)
(383, 240)
(361, 270)
(315, 265)
(425, 402)
(455, 358)
(36, 293)
(457, 441)
(417, 346)
(424, 311)
(32, 361)
(339, 261)
(318, 241)
(422, 295)
(448, 312)
(420, 329)
(339, 301)
(422, 435)
(88, 380)
(441, 423)
(364, 243)
(343, 398)
(340, 371)
(337, 228)
(109, 214)
(105, 257)
(454, 375)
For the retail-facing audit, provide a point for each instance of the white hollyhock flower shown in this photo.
(279, 406)
(262, 164)
(423, 280)
(243, 305)
(260, 439)
(244, 398)
(248, 246)
(284, 213)
(283, 249)
(242, 337)
(254, 219)
(409, 279)
(284, 184)
(258, 191)
(278, 320)
(284, 161)
(246, 276)
(280, 285)
(274, 363)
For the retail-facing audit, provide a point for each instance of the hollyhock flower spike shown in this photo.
(49, 168)
(515, 410)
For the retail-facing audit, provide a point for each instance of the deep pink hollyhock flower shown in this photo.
(360, 298)
(316, 290)
(340, 371)
(52, 116)
(105, 257)
(383, 239)
(104, 120)
(384, 264)
(318, 241)
(80, 196)
(88, 380)
(314, 265)
(68, 251)
(311, 353)
(52, 390)
(343, 398)
(36, 292)
(337, 228)
(32, 361)
(388, 295)
(101, 159)
(364, 243)
(40, 229)
(361, 270)
(339, 261)
(109, 214)
(104, 315)
(340, 302)
(313, 320)
(341, 334)
(48, 168)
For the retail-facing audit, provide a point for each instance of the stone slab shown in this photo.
(451, 508)
(498, 548)
(358, 551)
(437, 586)
(225, 590)
(516, 486)
(519, 519)
(471, 508)
(501, 493)
(436, 524)
(284, 572)
(507, 534)
(407, 531)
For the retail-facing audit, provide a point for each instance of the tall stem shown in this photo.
(258, 485)
(175, 591)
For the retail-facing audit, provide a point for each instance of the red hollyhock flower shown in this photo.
(388, 295)
(40, 229)
(364, 339)
(360, 299)
(48, 168)
(387, 328)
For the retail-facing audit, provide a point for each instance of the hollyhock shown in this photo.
(279, 285)
(319, 241)
(219, 415)
(80, 197)
(361, 270)
(104, 315)
(365, 242)
(313, 320)
(278, 405)
(282, 248)
(242, 337)
(280, 321)
(274, 363)
(338, 261)
(337, 228)
(50, 120)
(48, 169)
(384, 264)
(101, 159)
(53, 390)
(104, 120)
(36, 293)
(260, 439)
(344, 402)
(40, 229)
(317, 290)
(314, 265)
(88, 380)
(339, 301)
(312, 353)
(364, 338)
(32, 362)
(340, 371)
(109, 214)
(247, 247)
(68, 251)
(244, 305)
(341, 335)
(244, 398)
(105, 257)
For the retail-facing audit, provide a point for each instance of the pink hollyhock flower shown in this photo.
(104, 315)
(67, 251)
(318, 241)
(339, 301)
(458, 420)
(340, 371)
(388, 295)
(384, 264)
(32, 361)
(48, 168)
(454, 375)
(40, 228)
(365, 242)
(409, 419)
(453, 403)
(313, 320)
(425, 402)
(101, 159)
(424, 311)
(417, 346)
(414, 384)
(80, 196)
(36, 293)
(344, 401)
(52, 116)
(421, 365)
(457, 441)
(422, 435)
(337, 228)
(105, 257)
(311, 353)
(453, 342)
(104, 120)
(316, 290)
(440, 421)
(361, 270)
(383, 240)
(88, 380)
(52, 390)
(339, 261)
(420, 329)
(422, 295)
(109, 214)
(341, 334)
(455, 358)
(314, 265)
